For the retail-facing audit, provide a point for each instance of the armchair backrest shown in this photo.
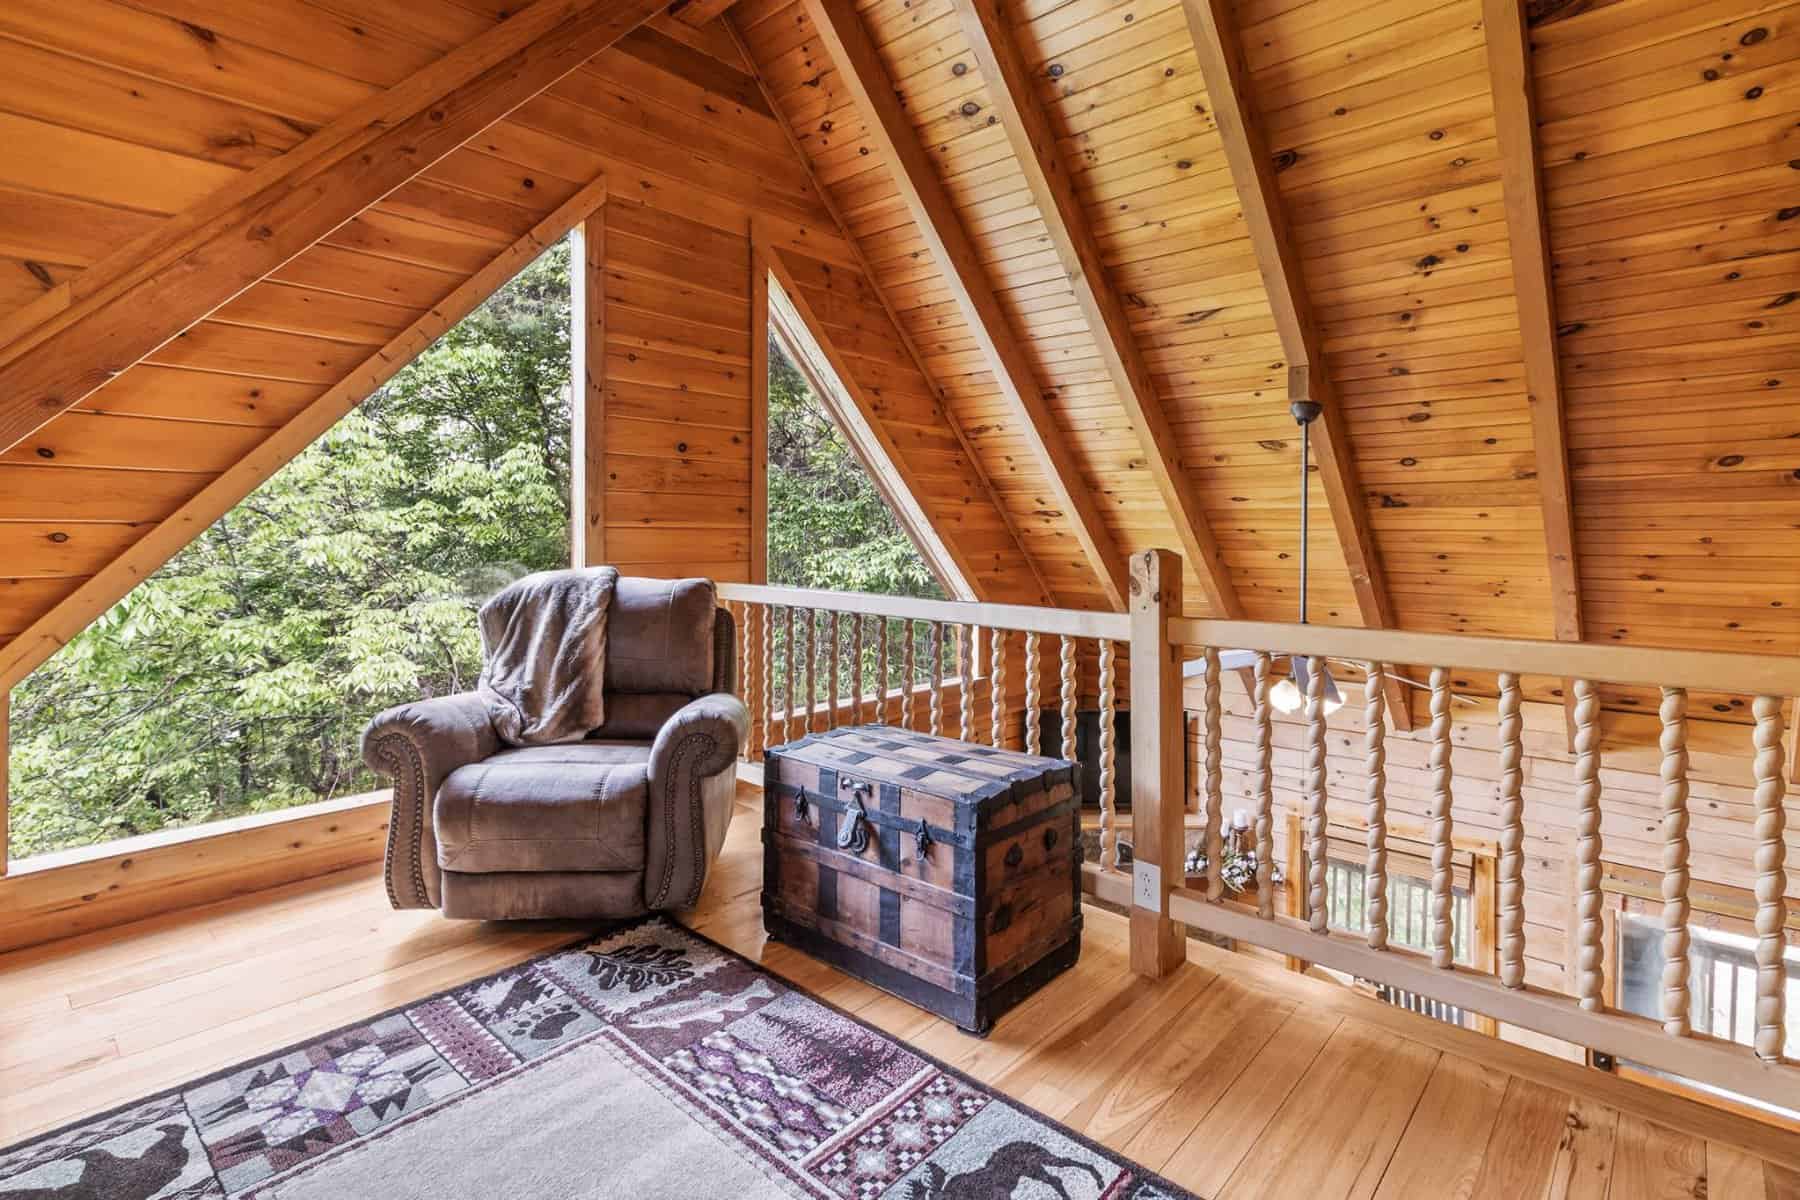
(667, 641)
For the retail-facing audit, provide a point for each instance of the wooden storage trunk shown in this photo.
(946, 873)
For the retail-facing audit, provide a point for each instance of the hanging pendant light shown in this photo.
(1289, 694)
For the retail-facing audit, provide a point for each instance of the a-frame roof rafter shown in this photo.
(87, 331)
(1528, 236)
(859, 64)
(1034, 145)
(1213, 27)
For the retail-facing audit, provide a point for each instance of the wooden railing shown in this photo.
(1582, 1017)
(811, 660)
(1155, 891)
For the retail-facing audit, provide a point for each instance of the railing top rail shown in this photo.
(1700, 670)
(1068, 622)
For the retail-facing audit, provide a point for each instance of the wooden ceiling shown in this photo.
(1540, 273)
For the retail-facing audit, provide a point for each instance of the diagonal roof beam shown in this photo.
(123, 307)
(76, 611)
(1213, 28)
(1033, 141)
(1527, 233)
(928, 201)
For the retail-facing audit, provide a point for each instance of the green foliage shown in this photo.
(828, 525)
(238, 677)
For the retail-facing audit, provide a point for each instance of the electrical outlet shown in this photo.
(1146, 885)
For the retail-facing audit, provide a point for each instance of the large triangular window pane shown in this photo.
(237, 678)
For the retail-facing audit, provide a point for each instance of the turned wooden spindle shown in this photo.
(1109, 821)
(965, 670)
(1067, 683)
(1512, 835)
(1675, 1003)
(1375, 883)
(1318, 915)
(746, 664)
(765, 684)
(882, 678)
(908, 673)
(1589, 931)
(1033, 694)
(811, 619)
(1213, 778)
(856, 671)
(1771, 877)
(1265, 790)
(833, 648)
(997, 690)
(787, 683)
(937, 679)
(1443, 932)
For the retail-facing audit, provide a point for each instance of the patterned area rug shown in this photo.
(649, 1063)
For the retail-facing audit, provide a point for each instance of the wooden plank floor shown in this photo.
(1232, 1077)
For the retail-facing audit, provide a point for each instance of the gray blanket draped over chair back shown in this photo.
(543, 642)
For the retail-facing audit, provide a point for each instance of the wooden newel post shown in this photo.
(1158, 945)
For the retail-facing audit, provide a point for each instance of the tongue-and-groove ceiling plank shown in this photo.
(1669, 142)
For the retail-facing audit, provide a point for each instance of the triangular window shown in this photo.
(840, 516)
(237, 677)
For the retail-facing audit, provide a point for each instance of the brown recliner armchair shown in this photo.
(627, 821)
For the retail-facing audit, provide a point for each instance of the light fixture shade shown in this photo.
(1299, 668)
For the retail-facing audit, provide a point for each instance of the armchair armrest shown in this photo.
(693, 786)
(417, 745)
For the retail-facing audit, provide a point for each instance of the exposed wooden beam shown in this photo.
(913, 354)
(1213, 28)
(859, 65)
(1034, 144)
(125, 306)
(46, 635)
(587, 408)
(1528, 236)
(695, 13)
(759, 408)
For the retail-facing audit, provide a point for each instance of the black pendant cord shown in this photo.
(1305, 411)
(1305, 498)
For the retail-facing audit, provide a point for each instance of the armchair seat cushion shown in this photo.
(580, 806)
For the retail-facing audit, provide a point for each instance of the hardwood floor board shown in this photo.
(1122, 1101)
(1522, 1149)
(1061, 1072)
(1654, 1163)
(1230, 1070)
(1441, 1152)
(1209, 1077)
(1221, 1140)
(1357, 1097)
(1582, 1168)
